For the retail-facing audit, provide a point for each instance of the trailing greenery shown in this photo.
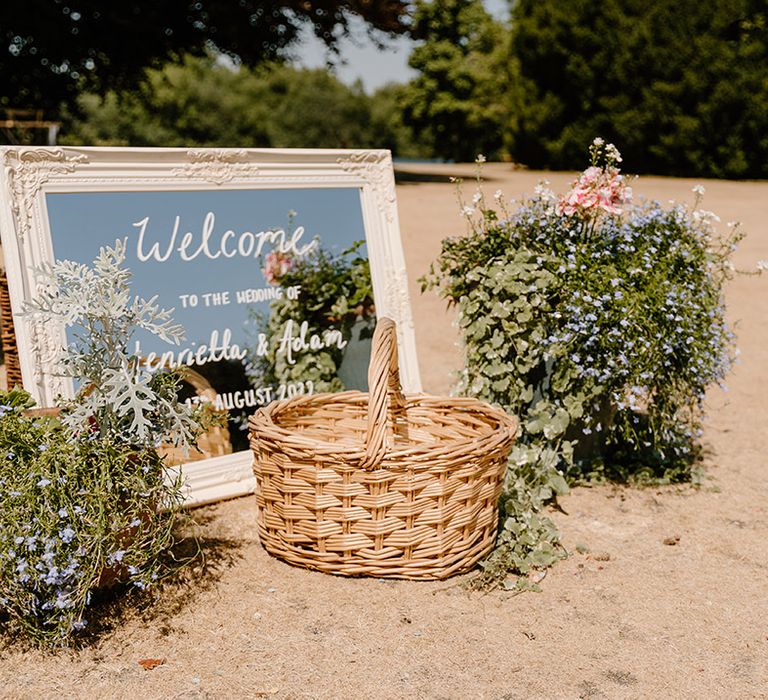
(336, 292)
(86, 500)
(599, 323)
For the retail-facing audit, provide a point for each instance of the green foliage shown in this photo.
(336, 293)
(680, 86)
(455, 104)
(86, 498)
(389, 127)
(200, 101)
(52, 50)
(600, 329)
(121, 398)
(76, 513)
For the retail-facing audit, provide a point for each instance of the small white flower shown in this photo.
(598, 141)
(477, 197)
(612, 153)
(762, 265)
(497, 195)
(699, 190)
(706, 217)
(544, 193)
(480, 158)
(468, 211)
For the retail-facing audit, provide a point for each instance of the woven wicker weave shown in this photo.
(389, 487)
(8, 336)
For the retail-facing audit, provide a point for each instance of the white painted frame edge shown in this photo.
(28, 174)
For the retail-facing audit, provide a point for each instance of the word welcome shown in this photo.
(227, 244)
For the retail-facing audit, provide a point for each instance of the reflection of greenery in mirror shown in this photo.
(336, 304)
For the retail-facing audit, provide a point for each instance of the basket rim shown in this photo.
(263, 424)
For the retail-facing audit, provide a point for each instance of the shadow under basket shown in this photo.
(380, 484)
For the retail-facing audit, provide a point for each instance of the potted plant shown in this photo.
(86, 496)
(600, 322)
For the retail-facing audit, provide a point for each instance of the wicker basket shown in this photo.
(8, 336)
(388, 486)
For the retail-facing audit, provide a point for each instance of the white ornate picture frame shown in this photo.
(28, 177)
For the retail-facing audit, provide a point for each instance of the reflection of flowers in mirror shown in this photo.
(276, 264)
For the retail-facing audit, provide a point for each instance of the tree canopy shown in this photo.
(54, 49)
(201, 101)
(456, 103)
(681, 88)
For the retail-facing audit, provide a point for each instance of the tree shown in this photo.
(681, 88)
(455, 104)
(202, 101)
(387, 123)
(59, 48)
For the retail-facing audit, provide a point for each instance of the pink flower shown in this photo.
(597, 189)
(276, 264)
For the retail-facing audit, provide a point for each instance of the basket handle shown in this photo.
(385, 394)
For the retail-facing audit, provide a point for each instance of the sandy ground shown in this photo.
(634, 618)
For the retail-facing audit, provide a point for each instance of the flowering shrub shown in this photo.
(86, 500)
(600, 323)
(73, 510)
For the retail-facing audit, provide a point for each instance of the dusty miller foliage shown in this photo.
(87, 501)
(600, 325)
(120, 397)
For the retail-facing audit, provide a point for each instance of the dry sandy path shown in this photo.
(649, 621)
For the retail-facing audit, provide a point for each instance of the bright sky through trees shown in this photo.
(364, 61)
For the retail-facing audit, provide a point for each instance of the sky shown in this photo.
(365, 62)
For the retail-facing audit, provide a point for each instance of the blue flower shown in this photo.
(115, 557)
